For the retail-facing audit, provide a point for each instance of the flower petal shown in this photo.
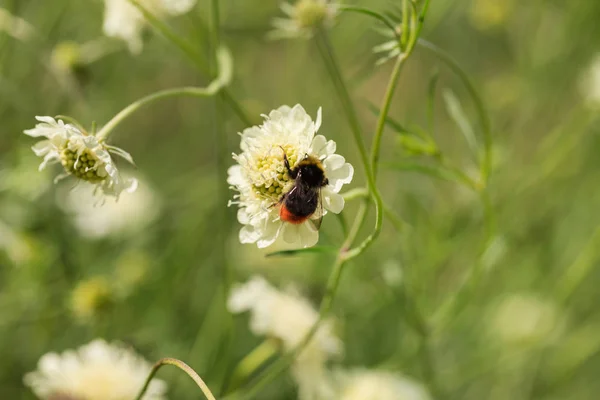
(332, 201)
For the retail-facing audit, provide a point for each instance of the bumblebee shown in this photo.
(304, 198)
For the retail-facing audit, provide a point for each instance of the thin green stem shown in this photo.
(366, 11)
(404, 37)
(163, 94)
(387, 101)
(190, 51)
(486, 165)
(326, 51)
(182, 366)
(332, 66)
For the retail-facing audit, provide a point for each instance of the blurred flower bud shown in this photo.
(91, 297)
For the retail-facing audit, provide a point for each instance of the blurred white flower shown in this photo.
(16, 27)
(96, 371)
(288, 317)
(590, 84)
(129, 215)
(303, 18)
(82, 155)
(381, 385)
(389, 49)
(124, 21)
(261, 178)
(524, 319)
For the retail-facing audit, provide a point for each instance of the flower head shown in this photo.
(381, 385)
(96, 371)
(262, 180)
(391, 48)
(129, 215)
(81, 155)
(124, 21)
(303, 18)
(287, 317)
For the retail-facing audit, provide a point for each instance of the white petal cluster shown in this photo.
(525, 319)
(381, 385)
(303, 18)
(288, 317)
(124, 21)
(82, 155)
(95, 371)
(261, 179)
(127, 216)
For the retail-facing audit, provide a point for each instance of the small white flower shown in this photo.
(590, 84)
(288, 317)
(129, 215)
(261, 179)
(96, 371)
(381, 385)
(82, 155)
(124, 21)
(525, 319)
(303, 18)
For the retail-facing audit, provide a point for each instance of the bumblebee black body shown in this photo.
(303, 199)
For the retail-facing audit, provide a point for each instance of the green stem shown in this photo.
(225, 71)
(326, 51)
(387, 101)
(190, 51)
(163, 94)
(486, 165)
(182, 366)
(334, 70)
(371, 13)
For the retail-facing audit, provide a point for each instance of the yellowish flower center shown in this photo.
(310, 13)
(82, 167)
(273, 162)
(62, 396)
(91, 297)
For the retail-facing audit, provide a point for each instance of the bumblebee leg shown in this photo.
(292, 173)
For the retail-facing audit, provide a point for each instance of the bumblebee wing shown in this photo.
(317, 217)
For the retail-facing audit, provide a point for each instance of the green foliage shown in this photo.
(433, 297)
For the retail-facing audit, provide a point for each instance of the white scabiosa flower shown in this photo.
(262, 180)
(303, 18)
(380, 385)
(124, 21)
(81, 155)
(127, 216)
(288, 317)
(96, 371)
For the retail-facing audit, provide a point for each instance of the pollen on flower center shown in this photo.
(271, 168)
(82, 167)
(310, 13)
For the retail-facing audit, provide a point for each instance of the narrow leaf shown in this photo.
(308, 250)
(457, 113)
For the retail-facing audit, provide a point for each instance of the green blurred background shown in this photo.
(148, 270)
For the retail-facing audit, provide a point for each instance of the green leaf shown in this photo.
(308, 250)
(457, 113)
(431, 89)
(482, 113)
